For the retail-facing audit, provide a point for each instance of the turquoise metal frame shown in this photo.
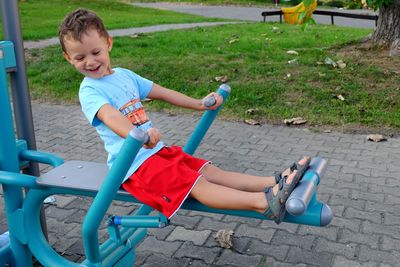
(23, 212)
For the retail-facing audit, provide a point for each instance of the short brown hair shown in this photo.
(76, 23)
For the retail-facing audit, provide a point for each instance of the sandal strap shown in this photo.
(276, 215)
(278, 177)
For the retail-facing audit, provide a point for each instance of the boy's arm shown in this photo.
(120, 125)
(181, 100)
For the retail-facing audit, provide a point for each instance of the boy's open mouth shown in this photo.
(94, 70)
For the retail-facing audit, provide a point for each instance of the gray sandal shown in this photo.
(276, 203)
(295, 166)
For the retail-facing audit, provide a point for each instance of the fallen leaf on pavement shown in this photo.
(224, 238)
(251, 122)
(376, 138)
(294, 121)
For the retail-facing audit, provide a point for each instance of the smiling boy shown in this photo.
(161, 176)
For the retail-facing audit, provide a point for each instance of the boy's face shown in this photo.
(90, 56)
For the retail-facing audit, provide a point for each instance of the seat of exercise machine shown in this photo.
(77, 174)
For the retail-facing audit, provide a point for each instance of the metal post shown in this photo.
(9, 157)
(19, 84)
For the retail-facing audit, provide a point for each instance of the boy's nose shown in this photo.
(90, 61)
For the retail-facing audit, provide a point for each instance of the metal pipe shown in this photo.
(205, 122)
(19, 85)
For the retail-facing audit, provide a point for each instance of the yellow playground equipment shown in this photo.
(291, 14)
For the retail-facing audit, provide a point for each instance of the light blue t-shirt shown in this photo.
(123, 90)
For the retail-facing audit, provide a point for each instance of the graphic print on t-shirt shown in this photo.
(134, 111)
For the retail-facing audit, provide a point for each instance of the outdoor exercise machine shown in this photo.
(27, 235)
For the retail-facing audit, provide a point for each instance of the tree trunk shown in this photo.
(387, 31)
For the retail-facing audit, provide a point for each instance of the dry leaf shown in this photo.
(251, 122)
(294, 121)
(222, 79)
(340, 97)
(224, 238)
(341, 64)
(252, 111)
(292, 53)
(233, 41)
(329, 61)
(376, 138)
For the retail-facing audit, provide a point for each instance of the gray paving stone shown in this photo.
(182, 234)
(160, 233)
(59, 214)
(189, 250)
(209, 224)
(390, 230)
(380, 207)
(330, 232)
(283, 237)
(229, 258)
(158, 246)
(368, 254)
(363, 215)
(189, 222)
(278, 252)
(348, 250)
(389, 243)
(297, 255)
(264, 235)
(341, 261)
(162, 260)
(370, 240)
(289, 227)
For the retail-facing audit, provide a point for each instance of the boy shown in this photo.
(160, 176)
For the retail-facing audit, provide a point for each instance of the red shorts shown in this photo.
(165, 179)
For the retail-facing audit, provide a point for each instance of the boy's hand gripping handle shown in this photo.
(210, 101)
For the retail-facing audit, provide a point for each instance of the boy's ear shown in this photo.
(67, 57)
(109, 42)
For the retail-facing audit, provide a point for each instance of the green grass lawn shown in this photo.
(40, 18)
(254, 57)
(216, 2)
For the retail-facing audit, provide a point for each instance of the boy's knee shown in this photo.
(209, 169)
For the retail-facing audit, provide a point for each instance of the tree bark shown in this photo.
(388, 28)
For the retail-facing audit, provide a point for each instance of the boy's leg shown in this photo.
(222, 197)
(240, 181)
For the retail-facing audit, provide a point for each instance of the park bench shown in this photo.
(331, 13)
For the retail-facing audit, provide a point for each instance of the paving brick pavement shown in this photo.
(361, 186)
